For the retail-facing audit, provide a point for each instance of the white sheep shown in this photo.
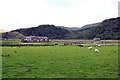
(89, 48)
(99, 45)
(96, 50)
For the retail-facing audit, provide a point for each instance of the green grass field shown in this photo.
(60, 62)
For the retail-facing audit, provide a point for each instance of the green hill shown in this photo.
(12, 35)
(2, 31)
(45, 30)
(88, 26)
(108, 29)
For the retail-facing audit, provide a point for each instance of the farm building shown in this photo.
(96, 39)
(35, 39)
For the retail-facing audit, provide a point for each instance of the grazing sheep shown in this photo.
(89, 48)
(5, 55)
(99, 45)
(80, 45)
(96, 50)
(8, 55)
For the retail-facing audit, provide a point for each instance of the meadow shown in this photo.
(60, 61)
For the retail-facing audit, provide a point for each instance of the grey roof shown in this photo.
(35, 36)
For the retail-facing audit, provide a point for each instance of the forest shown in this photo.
(107, 30)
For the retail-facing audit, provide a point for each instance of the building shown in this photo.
(35, 39)
(96, 39)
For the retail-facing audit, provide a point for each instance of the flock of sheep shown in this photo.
(96, 50)
(89, 48)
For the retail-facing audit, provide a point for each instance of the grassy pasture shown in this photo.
(88, 42)
(60, 62)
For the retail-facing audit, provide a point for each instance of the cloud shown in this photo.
(71, 13)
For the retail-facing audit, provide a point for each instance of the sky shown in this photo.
(16, 14)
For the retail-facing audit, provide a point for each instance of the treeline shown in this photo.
(108, 29)
(12, 35)
(45, 30)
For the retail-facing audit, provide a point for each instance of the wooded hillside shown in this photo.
(108, 29)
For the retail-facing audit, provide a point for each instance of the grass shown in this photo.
(10, 42)
(17, 42)
(60, 62)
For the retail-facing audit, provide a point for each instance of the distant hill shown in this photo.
(88, 26)
(68, 28)
(12, 35)
(2, 30)
(107, 29)
(74, 28)
(50, 31)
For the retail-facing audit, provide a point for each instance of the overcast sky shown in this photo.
(15, 14)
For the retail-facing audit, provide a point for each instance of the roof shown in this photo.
(35, 36)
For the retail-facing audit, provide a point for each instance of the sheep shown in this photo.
(99, 45)
(5, 55)
(89, 48)
(96, 50)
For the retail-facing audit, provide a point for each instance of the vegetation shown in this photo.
(9, 42)
(60, 62)
(45, 30)
(108, 29)
(12, 35)
(85, 27)
(17, 42)
(2, 31)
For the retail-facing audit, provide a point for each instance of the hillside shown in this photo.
(2, 30)
(68, 28)
(108, 29)
(12, 35)
(88, 26)
(45, 30)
